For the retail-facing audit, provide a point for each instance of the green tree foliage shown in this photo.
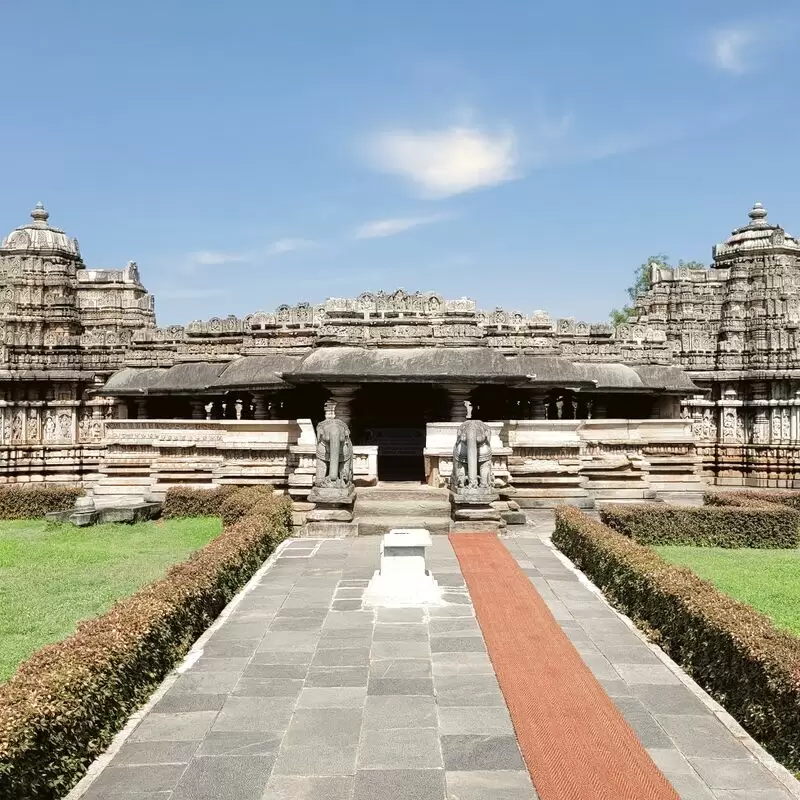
(641, 283)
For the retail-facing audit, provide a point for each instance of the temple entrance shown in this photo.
(393, 417)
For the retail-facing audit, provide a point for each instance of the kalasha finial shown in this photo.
(758, 213)
(40, 214)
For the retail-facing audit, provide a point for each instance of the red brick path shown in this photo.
(577, 746)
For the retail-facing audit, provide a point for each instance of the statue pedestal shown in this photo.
(402, 579)
(332, 515)
(473, 511)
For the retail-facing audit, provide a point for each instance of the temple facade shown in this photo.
(706, 381)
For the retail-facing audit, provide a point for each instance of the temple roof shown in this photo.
(758, 234)
(325, 365)
(38, 236)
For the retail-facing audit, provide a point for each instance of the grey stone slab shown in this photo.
(401, 615)
(100, 794)
(480, 752)
(243, 714)
(303, 787)
(451, 611)
(337, 676)
(401, 633)
(400, 748)
(123, 781)
(401, 650)
(655, 674)
(339, 620)
(457, 644)
(244, 631)
(341, 657)
(701, 736)
(456, 598)
(454, 626)
(332, 727)
(690, 787)
(316, 760)
(208, 663)
(297, 641)
(282, 657)
(383, 712)
(327, 697)
(601, 667)
(296, 624)
(668, 699)
(402, 784)
(354, 582)
(461, 664)
(649, 732)
(449, 580)
(468, 690)
(729, 773)
(489, 785)
(205, 682)
(155, 753)
(405, 686)
(309, 612)
(272, 671)
(400, 668)
(349, 593)
(174, 702)
(346, 605)
(615, 688)
(636, 654)
(753, 794)
(230, 649)
(345, 640)
(231, 743)
(485, 721)
(217, 777)
(177, 727)
(268, 687)
(668, 759)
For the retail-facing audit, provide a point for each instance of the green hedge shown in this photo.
(181, 501)
(63, 705)
(30, 501)
(753, 499)
(763, 525)
(735, 653)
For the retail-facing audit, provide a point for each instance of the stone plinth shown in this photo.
(473, 510)
(332, 515)
(402, 579)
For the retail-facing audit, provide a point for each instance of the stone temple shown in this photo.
(703, 388)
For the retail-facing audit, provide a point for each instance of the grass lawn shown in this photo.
(768, 580)
(53, 575)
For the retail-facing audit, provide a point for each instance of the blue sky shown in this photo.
(526, 154)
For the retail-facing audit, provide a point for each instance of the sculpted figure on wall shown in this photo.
(472, 457)
(334, 452)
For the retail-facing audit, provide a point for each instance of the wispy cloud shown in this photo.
(379, 228)
(732, 48)
(217, 258)
(446, 162)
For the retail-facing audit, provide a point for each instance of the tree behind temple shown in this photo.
(641, 283)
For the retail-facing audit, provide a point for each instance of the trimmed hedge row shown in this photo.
(735, 653)
(757, 525)
(753, 499)
(30, 501)
(181, 501)
(63, 705)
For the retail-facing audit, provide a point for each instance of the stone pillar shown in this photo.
(760, 432)
(458, 395)
(343, 395)
(655, 408)
(261, 409)
(599, 408)
(141, 407)
(230, 408)
(538, 404)
(198, 408)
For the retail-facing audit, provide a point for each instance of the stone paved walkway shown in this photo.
(303, 695)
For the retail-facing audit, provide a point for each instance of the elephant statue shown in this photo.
(472, 457)
(334, 455)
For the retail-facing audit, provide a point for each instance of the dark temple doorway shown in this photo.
(393, 417)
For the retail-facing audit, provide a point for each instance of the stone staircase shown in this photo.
(380, 508)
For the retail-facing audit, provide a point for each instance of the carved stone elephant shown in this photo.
(472, 457)
(334, 454)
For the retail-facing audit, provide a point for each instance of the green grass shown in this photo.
(768, 580)
(54, 575)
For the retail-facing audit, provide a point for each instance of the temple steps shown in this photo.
(380, 508)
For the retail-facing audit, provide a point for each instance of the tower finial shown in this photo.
(758, 214)
(40, 214)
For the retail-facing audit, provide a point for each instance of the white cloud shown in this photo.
(289, 246)
(214, 258)
(447, 162)
(218, 258)
(732, 48)
(379, 228)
